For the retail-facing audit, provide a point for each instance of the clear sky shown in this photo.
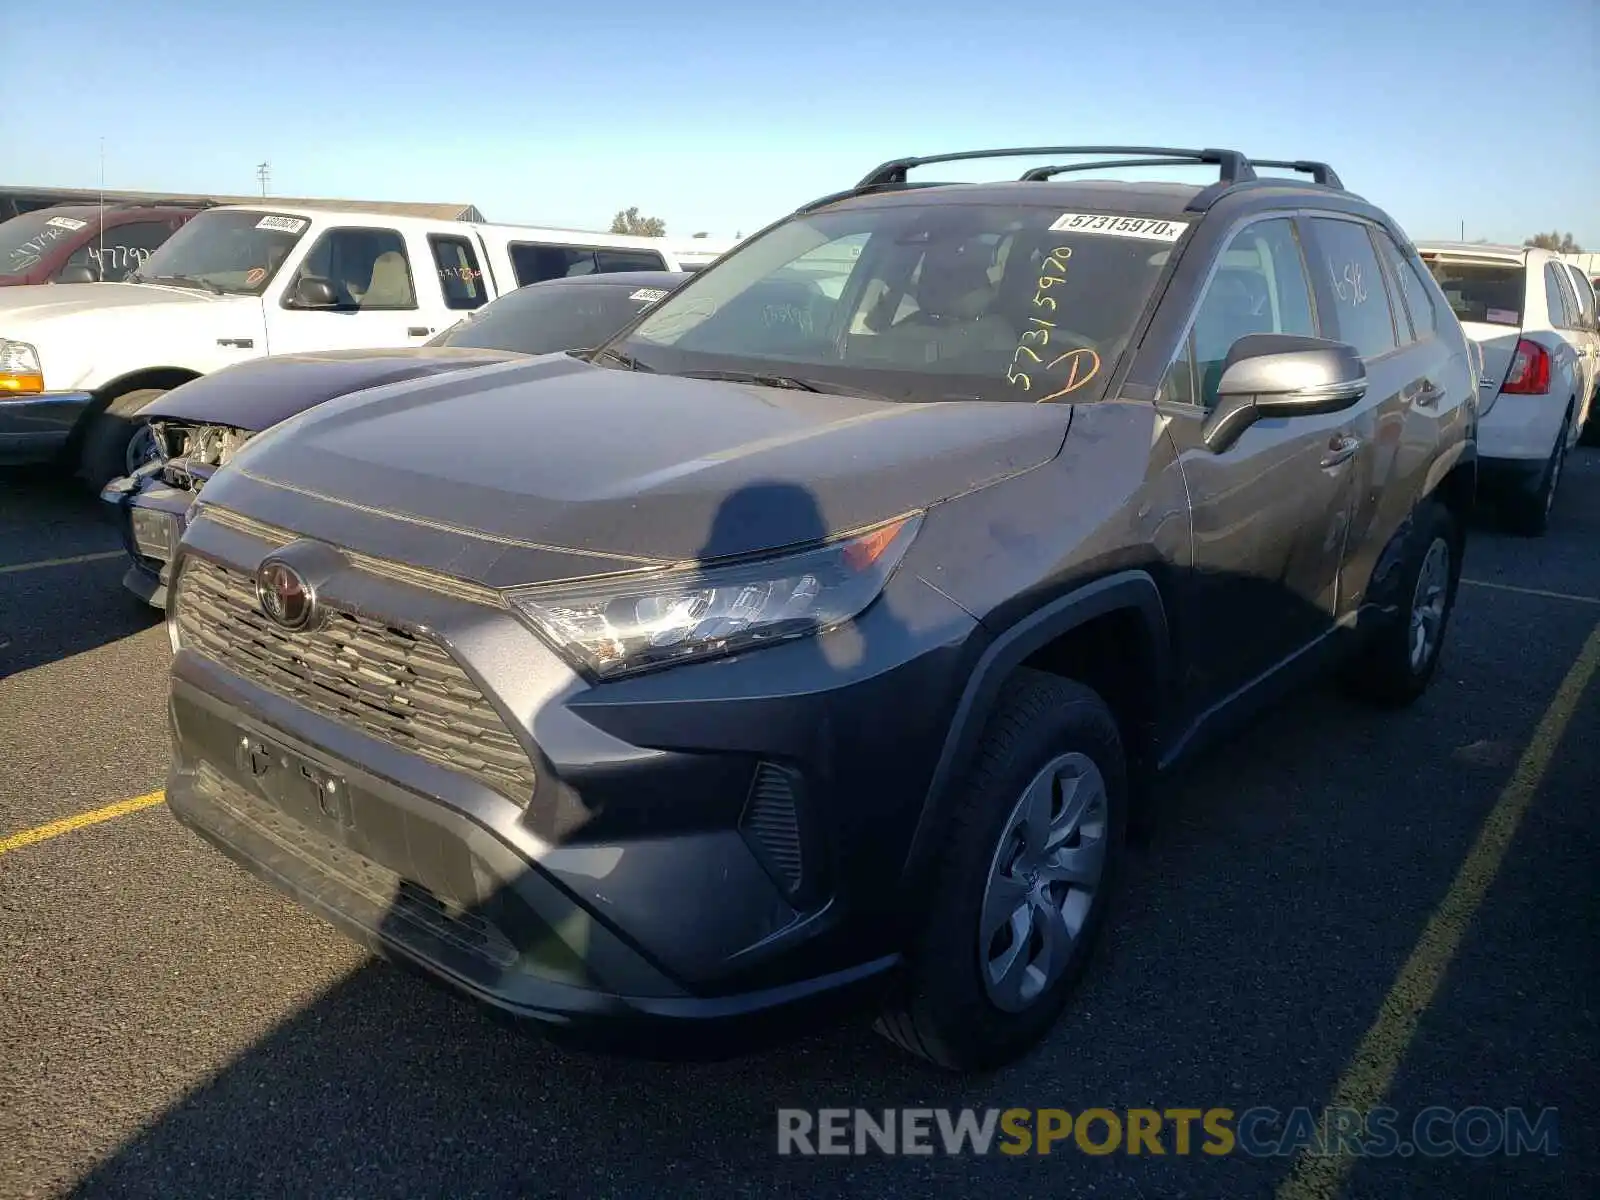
(720, 116)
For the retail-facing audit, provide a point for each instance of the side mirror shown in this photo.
(311, 292)
(1282, 375)
(76, 274)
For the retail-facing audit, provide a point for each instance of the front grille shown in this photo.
(388, 683)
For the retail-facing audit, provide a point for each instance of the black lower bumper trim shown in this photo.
(467, 953)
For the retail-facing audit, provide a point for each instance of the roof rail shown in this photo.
(1235, 167)
(1039, 174)
(1320, 172)
(831, 197)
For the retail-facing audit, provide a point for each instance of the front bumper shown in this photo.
(631, 890)
(35, 429)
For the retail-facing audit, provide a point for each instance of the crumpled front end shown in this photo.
(151, 507)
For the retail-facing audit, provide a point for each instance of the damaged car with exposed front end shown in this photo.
(193, 431)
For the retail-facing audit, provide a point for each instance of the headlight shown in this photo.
(652, 620)
(20, 372)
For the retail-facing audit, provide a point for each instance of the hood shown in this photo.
(550, 467)
(50, 300)
(256, 395)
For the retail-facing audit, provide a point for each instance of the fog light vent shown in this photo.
(772, 823)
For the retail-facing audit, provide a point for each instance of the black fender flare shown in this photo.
(1127, 590)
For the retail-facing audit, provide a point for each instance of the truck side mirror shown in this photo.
(77, 273)
(311, 292)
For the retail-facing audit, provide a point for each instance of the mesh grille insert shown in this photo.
(771, 821)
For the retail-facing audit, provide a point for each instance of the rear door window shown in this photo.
(1585, 294)
(1408, 279)
(460, 277)
(1559, 298)
(1361, 313)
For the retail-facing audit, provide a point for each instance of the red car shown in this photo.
(83, 243)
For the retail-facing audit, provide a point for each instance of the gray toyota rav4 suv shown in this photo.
(813, 642)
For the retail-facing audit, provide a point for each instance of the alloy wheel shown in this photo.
(1428, 601)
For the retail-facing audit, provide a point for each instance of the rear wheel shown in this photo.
(1030, 858)
(1529, 511)
(1398, 662)
(119, 441)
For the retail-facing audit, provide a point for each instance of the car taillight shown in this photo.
(1530, 370)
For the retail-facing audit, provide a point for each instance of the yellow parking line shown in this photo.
(43, 833)
(1527, 591)
(1367, 1078)
(42, 563)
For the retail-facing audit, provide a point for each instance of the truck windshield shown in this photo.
(25, 240)
(917, 301)
(225, 251)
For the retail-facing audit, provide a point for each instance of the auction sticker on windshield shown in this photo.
(66, 223)
(282, 224)
(1149, 229)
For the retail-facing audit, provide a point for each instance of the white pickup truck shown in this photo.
(79, 361)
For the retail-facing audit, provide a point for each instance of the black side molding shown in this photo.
(1133, 590)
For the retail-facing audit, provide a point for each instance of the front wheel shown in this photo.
(1030, 858)
(119, 440)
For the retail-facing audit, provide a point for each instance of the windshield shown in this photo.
(543, 318)
(918, 302)
(25, 240)
(232, 251)
(1491, 293)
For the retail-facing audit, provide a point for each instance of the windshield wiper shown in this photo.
(626, 361)
(755, 377)
(192, 280)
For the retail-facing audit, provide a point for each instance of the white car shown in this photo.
(1533, 314)
(79, 362)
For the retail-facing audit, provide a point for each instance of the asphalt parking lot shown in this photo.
(169, 1027)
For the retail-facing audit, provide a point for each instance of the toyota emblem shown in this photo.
(284, 595)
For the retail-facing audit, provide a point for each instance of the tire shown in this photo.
(109, 442)
(947, 1012)
(1590, 436)
(1390, 670)
(1528, 513)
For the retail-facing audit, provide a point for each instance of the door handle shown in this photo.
(1341, 449)
(241, 343)
(418, 331)
(1428, 395)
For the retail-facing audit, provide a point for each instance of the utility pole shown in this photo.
(100, 263)
(1463, 231)
(264, 174)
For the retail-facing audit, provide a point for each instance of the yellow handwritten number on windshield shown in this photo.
(1080, 369)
